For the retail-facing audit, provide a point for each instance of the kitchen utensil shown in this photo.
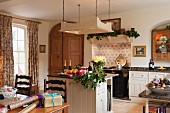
(121, 60)
(119, 66)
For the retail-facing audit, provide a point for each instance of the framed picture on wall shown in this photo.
(42, 48)
(139, 51)
(116, 23)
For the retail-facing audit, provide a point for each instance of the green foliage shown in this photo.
(132, 33)
(78, 66)
(90, 80)
(99, 36)
(168, 27)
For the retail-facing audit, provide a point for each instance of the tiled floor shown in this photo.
(127, 107)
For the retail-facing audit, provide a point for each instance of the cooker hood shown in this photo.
(91, 25)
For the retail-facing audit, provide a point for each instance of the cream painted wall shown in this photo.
(144, 21)
(43, 57)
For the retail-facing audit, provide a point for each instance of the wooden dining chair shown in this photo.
(24, 84)
(57, 85)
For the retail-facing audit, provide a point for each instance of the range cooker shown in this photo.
(120, 83)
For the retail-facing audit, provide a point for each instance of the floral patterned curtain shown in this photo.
(6, 52)
(32, 30)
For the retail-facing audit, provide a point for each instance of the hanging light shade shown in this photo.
(89, 25)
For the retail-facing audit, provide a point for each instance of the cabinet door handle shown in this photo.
(155, 76)
(142, 75)
(101, 100)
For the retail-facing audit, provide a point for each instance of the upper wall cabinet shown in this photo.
(161, 45)
(64, 46)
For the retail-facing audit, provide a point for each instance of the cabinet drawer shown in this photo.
(100, 87)
(153, 75)
(167, 75)
(139, 75)
(164, 56)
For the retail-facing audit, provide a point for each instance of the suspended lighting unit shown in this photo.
(89, 25)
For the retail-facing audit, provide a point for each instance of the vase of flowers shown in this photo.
(98, 62)
(163, 39)
(163, 48)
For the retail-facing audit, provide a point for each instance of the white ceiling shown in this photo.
(52, 9)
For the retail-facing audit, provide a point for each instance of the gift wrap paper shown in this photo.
(30, 107)
(23, 102)
(48, 102)
(8, 101)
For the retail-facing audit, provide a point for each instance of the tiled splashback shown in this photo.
(111, 51)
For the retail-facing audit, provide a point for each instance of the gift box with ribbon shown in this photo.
(52, 99)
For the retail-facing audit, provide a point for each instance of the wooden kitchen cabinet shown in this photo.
(157, 55)
(138, 81)
(64, 46)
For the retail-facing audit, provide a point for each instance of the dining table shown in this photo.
(56, 109)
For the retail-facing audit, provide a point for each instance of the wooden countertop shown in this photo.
(64, 76)
(57, 109)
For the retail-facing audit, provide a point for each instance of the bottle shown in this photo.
(70, 67)
(150, 64)
(65, 67)
(153, 65)
(90, 68)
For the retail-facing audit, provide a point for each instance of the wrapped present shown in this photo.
(52, 99)
(8, 92)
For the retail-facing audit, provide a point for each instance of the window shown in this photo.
(19, 49)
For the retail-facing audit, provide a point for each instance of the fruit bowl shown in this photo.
(159, 86)
(161, 91)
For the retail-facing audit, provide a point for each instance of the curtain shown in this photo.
(32, 30)
(6, 50)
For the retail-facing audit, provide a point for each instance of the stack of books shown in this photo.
(156, 107)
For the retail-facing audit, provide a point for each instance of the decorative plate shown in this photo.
(121, 60)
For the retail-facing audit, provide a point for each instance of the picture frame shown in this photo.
(116, 23)
(42, 48)
(139, 51)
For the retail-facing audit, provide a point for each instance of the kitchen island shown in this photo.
(87, 100)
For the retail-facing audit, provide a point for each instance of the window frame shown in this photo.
(24, 27)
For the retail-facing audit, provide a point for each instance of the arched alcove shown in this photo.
(161, 25)
(161, 41)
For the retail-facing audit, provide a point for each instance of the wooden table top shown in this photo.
(42, 110)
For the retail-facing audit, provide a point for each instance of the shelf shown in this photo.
(167, 44)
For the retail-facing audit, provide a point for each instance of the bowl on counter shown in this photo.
(160, 91)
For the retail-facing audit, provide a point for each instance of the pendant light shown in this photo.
(90, 25)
